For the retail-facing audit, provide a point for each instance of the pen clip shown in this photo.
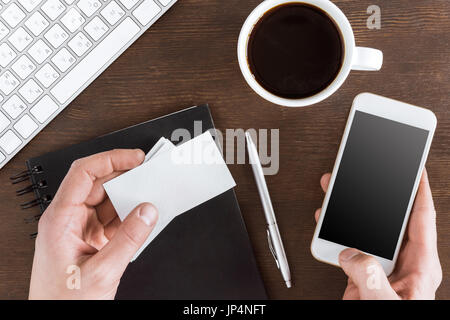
(272, 250)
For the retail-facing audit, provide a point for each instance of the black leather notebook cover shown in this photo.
(202, 254)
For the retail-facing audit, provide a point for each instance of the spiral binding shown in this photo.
(39, 185)
(25, 175)
(33, 203)
(33, 219)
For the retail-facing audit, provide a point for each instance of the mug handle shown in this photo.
(367, 59)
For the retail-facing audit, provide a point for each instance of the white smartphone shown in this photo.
(374, 181)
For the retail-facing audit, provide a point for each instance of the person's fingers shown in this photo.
(114, 257)
(78, 183)
(325, 181)
(422, 222)
(112, 227)
(367, 275)
(98, 193)
(106, 212)
(317, 214)
(424, 198)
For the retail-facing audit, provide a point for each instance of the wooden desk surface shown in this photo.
(189, 57)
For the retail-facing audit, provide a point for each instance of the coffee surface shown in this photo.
(295, 51)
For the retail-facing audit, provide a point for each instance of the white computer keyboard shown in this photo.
(50, 50)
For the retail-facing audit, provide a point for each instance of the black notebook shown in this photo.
(205, 254)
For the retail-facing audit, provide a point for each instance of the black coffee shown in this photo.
(295, 51)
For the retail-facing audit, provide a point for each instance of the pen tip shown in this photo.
(288, 284)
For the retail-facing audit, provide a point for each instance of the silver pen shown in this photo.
(273, 234)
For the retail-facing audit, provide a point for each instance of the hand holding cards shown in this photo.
(174, 178)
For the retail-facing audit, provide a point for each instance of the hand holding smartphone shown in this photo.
(374, 181)
(418, 273)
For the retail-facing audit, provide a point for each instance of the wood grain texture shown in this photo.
(189, 57)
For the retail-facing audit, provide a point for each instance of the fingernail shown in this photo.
(148, 214)
(141, 153)
(348, 254)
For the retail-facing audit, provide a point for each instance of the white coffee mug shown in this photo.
(355, 58)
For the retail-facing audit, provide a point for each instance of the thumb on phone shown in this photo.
(367, 274)
(115, 256)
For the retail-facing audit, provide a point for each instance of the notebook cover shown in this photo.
(202, 254)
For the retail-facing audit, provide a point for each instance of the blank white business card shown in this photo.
(175, 181)
(161, 146)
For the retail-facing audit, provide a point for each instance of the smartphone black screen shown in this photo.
(374, 184)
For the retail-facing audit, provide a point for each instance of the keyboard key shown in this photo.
(23, 67)
(13, 15)
(165, 2)
(56, 36)
(29, 5)
(83, 73)
(69, 1)
(47, 75)
(53, 8)
(14, 106)
(63, 60)
(80, 44)
(129, 3)
(3, 30)
(44, 109)
(30, 91)
(96, 28)
(6, 55)
(112, 13)
(37, 23)
(4, 122)
(146, 11)
(72, 20)
(40, 51)
(2, 157)
(89, 6)
(10, 142)
(25, 126)
(20, 39)
(8, 82)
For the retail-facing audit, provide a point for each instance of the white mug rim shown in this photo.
(340, 21)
